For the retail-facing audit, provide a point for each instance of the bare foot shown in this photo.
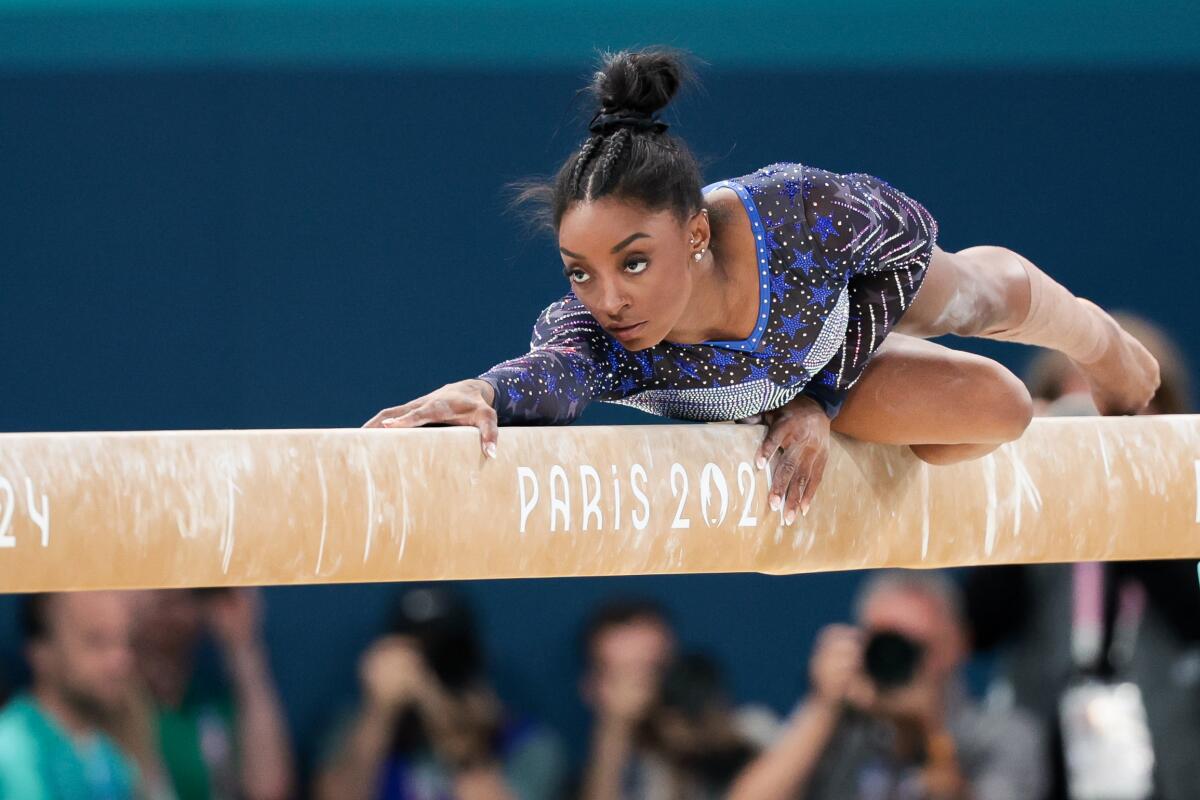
(1125, 378)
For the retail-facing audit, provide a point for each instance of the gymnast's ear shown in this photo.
(698, 230)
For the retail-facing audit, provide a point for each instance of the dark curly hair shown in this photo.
(638, 163)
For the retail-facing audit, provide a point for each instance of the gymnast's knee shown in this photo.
(941, 455)
(1004, 276)
(1009, 405)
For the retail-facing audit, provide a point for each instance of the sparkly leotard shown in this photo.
(840, 258)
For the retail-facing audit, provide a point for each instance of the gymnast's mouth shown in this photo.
(626, 331)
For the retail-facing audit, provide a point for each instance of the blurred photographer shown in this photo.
(887, 717)
(430, 726)
(698, 739)
(664, 726)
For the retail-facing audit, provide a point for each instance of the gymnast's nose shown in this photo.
(614, 301)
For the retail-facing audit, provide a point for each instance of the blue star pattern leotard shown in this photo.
(840, 258)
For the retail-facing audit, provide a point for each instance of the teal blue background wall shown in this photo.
(275, 215)
(540, 33)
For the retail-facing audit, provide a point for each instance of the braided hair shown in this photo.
(629, 155)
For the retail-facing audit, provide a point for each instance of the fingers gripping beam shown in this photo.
(174, 509)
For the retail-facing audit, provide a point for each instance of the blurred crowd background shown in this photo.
(257, 214)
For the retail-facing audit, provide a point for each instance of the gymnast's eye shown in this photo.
(637, 267)
(578, 276)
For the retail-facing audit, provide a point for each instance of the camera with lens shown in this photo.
(891, 659)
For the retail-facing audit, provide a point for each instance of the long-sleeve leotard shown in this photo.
(840, 259)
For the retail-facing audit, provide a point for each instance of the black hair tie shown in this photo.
(606, 122)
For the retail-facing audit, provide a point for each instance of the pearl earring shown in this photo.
(699, 255)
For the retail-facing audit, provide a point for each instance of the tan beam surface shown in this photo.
(87, 510)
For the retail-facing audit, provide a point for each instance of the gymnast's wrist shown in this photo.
(485, 388)
(810, 407)
(830, 401)
(809, 402)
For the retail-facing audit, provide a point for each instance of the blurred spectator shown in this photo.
(887, 715)
(695, 733)
(51, 741)
(194, 738)
(664, 727)
(430, 727)
(1143, 625)
(627, 646)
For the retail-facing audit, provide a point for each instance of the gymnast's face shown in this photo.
(629, 266)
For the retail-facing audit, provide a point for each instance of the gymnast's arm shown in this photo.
(466, 402)
(570, 362)
(799, 430)
(879, 235)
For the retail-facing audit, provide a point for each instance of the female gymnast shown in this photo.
(792, 296)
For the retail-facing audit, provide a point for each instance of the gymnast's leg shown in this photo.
(995, 293)
(947, 405)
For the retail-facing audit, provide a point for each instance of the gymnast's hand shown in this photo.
(799, 434)
(463, 403)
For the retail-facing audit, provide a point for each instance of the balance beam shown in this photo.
(224, 508)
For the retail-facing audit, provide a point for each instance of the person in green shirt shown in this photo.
(52, 744)
(211, 739)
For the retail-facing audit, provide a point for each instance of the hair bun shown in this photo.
(642, 81)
